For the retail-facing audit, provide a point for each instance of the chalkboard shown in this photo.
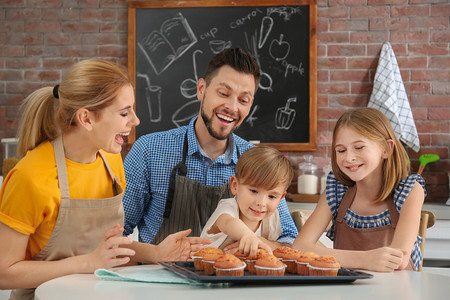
(171, 42)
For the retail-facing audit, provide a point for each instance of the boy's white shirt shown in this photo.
(230, 206)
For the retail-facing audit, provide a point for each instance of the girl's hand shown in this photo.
(108, 254)
(385, 259)
(179, 247)
(405, 260)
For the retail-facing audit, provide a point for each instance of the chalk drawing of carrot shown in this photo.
(266, 27)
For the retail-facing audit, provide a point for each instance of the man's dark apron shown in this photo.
(81, 223)
(349, 238)
(189, 203)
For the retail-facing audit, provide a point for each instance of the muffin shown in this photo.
(290, 260)
(209, 259)
(303, 261)
(229, 265)
(241, 256)
(325, 265)
(251, 260)
(269, 265)
(281, 251)
(198, 256)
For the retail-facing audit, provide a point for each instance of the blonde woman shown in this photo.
(61, 206)
(370, 197)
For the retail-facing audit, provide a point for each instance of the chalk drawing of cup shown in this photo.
(218, 46)
(188, 87)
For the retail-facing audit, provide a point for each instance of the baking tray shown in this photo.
(186, 269)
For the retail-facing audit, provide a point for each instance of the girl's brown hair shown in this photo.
(264, 167)
(371, 123)
(92, 84)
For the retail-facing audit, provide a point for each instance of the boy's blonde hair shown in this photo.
(371, 123)
(92, 84)
(264, 167)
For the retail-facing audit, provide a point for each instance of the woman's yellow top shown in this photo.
(30, 195)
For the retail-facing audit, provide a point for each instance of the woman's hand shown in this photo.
(109, 254)
(179, 247)
(384, 259)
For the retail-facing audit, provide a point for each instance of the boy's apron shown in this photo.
(189, 203)
(81, 223)
(349, 238)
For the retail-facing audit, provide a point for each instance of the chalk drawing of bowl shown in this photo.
(183, 115)
(188, 88)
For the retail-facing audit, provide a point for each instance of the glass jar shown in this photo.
(308, 181)
(9, 147)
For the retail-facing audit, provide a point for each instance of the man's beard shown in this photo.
(207, 122)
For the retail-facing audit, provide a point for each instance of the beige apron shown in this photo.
(349, 238)
(189, 203)
(81, 223)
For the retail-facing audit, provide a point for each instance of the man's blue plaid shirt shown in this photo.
(147, 170)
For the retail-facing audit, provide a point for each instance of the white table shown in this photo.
(431, 284)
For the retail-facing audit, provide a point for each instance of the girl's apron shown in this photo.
(81, 223)
(189, 203)
(349, 238)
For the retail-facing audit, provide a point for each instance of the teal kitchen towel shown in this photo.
(144, 273)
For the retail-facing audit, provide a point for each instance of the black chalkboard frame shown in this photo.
(311, 144)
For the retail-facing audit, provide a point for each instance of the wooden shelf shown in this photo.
(302, 198)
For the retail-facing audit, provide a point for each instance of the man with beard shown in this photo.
(175, 178)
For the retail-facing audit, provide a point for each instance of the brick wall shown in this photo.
(39, 39)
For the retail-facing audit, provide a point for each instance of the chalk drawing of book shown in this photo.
(163, 47)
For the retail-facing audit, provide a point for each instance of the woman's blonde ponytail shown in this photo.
(37, 123)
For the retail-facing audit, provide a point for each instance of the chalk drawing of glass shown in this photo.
(188, 87)
(162, 47)
(153, 97)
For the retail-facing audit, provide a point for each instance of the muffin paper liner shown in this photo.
(267, 268)
(323, 269)
(232, 269)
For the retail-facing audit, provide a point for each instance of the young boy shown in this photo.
(263, 175)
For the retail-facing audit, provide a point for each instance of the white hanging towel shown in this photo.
(389, 96)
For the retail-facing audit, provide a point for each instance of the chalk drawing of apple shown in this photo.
(279, 49)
